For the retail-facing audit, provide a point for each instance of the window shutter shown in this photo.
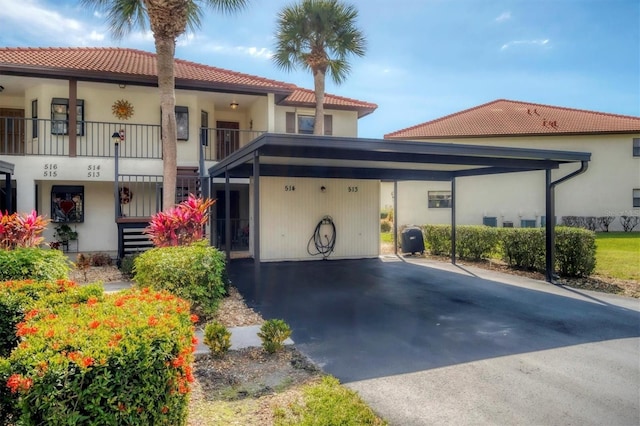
(328, 125)
(291, 122)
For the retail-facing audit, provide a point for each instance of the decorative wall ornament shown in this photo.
(125, 195)
(122, 109)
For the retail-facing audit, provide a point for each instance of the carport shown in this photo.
(286, 155)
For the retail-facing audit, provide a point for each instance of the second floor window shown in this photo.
(306, 124)
(60, 116)
(636, 198)
(636, 147)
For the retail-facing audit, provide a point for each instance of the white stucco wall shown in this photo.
(606, 189)
(289, 217)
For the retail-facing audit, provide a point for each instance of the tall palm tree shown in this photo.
(318, 35)
(168, 20)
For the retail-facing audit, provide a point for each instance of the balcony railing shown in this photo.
(33, 136)
(141, 195)
(220, 143)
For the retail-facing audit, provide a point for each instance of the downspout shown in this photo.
(550, 219)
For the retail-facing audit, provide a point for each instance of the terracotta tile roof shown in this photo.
(508, 118)
(307, 98)
(126, 62)
(136, 65)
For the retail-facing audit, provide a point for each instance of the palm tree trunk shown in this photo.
(318, 83)
(165, 51)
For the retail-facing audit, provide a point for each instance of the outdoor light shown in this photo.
(115, 137)
(1, 88)
(323, 188)
(233, 105)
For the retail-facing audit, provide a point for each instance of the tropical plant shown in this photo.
(21, 230)
(218, 338)
(64, 233)
(273, 333)
(318, 35)
(180, 225)
(168, 20)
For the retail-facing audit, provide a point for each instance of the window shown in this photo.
(34, 116)
(306, 124)
(490, 221)
(182, 123)
(60, 116)
(439, 199)
(67, 203)
(636, 147)
(636, 198)
(527, 223)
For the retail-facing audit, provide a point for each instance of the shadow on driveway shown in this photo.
(362, 319)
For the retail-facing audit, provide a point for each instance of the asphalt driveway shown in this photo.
(428, 343)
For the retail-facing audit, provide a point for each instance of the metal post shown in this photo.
(8, 195)
(550, 244)
(453, 221)
(395, 217)
(203, 176)
(227, 215)
(116, 193)
(256, 210)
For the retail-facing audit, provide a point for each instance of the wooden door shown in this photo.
(228, 138)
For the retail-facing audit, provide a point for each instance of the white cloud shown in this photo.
(542, 42)
(504, 16)
(96, 36)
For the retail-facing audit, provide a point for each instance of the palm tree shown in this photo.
(168, 20)
(318, 35)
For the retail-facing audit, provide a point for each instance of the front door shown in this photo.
(228, 138)
(11, 131)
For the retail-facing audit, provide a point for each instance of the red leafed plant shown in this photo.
(180, 225)
(21, 230)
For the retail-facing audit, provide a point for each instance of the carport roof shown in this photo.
(355, 158)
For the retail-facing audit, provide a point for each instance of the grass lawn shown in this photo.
(618, 255)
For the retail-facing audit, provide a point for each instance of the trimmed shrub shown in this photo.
(438, 239)
(476, 242)
(33, 263)
(575, 251)
(523, 248)
(273, 333)
(196, 272)
(126, 265)
(101, 259)
(125, 359)
(385, 226)
(218, 338)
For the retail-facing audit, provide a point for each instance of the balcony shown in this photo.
(31, 136)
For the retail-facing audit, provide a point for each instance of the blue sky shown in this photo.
(425, 58)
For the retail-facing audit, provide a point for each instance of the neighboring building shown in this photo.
(73, 177)
(609, 187)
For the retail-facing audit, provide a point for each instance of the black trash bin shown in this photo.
(412, 240)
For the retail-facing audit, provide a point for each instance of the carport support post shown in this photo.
(256, 210)
(550, 224)
(395, 217)
(453, 221)
(8, 195)
(227, 215)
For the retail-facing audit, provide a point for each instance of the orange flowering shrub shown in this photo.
(123, 358)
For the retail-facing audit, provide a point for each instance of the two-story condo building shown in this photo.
(60, 109)
(609, 188)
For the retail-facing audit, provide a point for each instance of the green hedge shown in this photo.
(122, 358)
(196, 272)
(522, 248)
(33, 264)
